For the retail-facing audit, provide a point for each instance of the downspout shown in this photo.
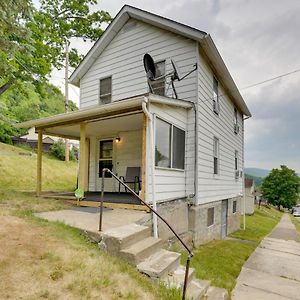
(152, 149)
(244, 188)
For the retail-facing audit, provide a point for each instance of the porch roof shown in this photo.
(130, 105)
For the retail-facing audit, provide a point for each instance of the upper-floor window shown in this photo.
(105, 90)
(158, 86)
(216, 155)
(216, 103)
(235, 121)
(169, 145)
(236, 165)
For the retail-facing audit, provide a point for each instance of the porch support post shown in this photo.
(82, 158)
(144, 150)
(39, 163)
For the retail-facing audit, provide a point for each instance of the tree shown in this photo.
(38, 37)
(281, 187)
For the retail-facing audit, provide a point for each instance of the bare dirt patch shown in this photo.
(39, 262)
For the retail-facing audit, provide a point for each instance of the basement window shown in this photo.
(105, 90)
(234, 203)
(210, 216)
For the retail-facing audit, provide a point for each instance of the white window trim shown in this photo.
(218, 155)
(171, 154)
(99, 89)
(216, 100)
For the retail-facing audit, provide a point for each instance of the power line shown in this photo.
(271, 79)
(255, 84)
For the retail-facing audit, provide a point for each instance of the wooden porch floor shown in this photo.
(111, 200)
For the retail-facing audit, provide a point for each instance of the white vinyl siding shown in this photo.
(169, 183)
(210, 186)
(123, 60)
(127, 153)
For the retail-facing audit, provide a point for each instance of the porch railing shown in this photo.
(190, 254)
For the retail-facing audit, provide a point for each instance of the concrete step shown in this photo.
(214, 293)
(116, 239)
(139, 251)
(197, 289)
(160, 263)
(175, 279)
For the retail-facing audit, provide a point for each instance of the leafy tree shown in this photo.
(26, 101)
(58, 150)
(33, 41)
(281, 187)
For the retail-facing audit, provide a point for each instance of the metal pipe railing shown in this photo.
(190, 255)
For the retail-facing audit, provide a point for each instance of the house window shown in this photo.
(235, 124)
(210, 216)
(169, 145)
(236, 154)
(105, 90)
(158, 86)
(216, 155)
(234, 203)
(105, 157)
(216, 103)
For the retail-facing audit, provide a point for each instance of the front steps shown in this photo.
(134, 244)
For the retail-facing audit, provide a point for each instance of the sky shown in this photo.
(258, 40)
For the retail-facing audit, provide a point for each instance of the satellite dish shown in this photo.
(149, 66)
(177, 74)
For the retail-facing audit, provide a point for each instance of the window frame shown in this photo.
(106, 175)
(236, 163)
(171, 144)
(234, 206)
(213, 216)
(107, 94)
(153, 83)
(216, 96)
(236, 128)
(216, 165)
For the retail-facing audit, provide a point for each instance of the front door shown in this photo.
(105, 161)
(224, 218)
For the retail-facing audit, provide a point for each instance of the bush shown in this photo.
(58, 150)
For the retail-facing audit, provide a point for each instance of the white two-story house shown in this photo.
(189, 150)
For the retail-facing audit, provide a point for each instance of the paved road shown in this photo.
(273, 270)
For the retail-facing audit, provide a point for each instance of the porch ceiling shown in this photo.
(108, 127)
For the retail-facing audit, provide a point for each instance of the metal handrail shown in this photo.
(190, 255)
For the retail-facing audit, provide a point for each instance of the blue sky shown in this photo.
(258, 40)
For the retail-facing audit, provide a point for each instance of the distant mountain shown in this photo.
(258, 180)
(257, 172)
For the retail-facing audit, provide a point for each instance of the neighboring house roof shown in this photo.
(202, 37)
(249, 183)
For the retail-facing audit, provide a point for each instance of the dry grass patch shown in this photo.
(40, 262)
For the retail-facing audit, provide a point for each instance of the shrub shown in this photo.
(58, 150)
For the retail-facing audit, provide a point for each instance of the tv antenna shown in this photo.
(176, 74)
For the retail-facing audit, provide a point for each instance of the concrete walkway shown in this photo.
(87, 219)
(273, 270)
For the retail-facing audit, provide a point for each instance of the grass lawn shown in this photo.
(18, 171)
(49, 260)
(296, 222)
(221, 261)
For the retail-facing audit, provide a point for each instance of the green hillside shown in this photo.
(258, 180)
(257, 172)
(18, 171)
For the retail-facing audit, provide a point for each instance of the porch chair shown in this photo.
(132, 176)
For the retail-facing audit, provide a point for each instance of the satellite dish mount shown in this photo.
(150, 70)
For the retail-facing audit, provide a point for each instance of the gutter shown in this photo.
(152, 149)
